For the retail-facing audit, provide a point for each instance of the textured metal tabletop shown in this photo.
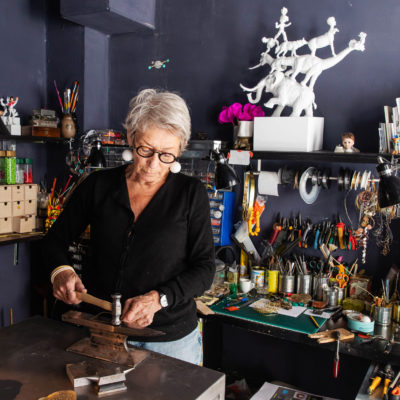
(33, 359)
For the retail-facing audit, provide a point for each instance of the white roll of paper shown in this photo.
(268, 183)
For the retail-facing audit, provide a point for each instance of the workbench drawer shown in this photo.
(31, 191)
(5, 209)
(5, 225)
(23, 224)
(17, 193)
(18, 208)
(5, 193)
(31, 206)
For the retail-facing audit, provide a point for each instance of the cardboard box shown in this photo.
(5, 209)
(23, 224)
(31, 206)
(17, 192)
(31, 191)
(6, 225)
(288, 133)
(18, 208)
(5, 193)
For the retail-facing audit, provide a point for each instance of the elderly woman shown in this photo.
(150, 231)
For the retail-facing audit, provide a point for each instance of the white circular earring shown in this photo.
(127, 155)
(175, 167)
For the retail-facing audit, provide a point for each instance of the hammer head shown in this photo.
(116, 309)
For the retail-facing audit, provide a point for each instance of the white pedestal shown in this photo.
(288, 133)
(15, 128)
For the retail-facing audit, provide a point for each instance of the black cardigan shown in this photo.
(169, 248)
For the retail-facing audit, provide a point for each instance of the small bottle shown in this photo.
(2, 167)
(11, 167)
(28, 173)
(20, 171)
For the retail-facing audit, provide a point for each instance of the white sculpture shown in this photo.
(284, 47)
(326, 39)
(282, 24)
(286, 92)
(9, 108)
(281, 80)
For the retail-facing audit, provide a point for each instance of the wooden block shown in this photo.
(40, 131)
(203, 309)
(331, 336)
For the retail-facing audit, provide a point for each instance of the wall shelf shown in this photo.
(35, 139)
(10, 238)
(327, 156)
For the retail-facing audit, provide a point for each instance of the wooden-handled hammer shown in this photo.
(114, 307)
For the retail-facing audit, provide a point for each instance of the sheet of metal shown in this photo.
(33, 361)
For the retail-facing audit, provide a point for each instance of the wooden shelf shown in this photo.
(328, 156)
(35, 139)
(9, 238)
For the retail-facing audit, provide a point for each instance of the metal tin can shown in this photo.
(258, 277)
(304, 282)
(319, 284)
(382, 315)
(330, 296)
(286, 284)
(272, 279)
(341, 295)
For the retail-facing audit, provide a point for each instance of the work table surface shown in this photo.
(33, 359)
(373, 349)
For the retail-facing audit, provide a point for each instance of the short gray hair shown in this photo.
(161, 109)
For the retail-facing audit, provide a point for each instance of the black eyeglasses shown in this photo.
(147, 152)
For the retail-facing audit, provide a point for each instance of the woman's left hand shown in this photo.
(139, 311)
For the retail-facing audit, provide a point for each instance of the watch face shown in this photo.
(163, 300)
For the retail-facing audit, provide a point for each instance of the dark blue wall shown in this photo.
(211, 44)
(23, 74)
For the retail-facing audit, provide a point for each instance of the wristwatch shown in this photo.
(163, 300)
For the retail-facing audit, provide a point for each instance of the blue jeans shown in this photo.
(189, 348)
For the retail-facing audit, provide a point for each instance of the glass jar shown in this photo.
(2, 167)
(11, 167)
(20, 171)
(28, 170)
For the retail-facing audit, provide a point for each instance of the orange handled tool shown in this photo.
(340, 229)
(277, 227)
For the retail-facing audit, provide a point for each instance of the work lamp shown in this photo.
(389, 184)
(225, 175)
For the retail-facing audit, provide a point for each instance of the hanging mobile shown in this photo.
(158, 64)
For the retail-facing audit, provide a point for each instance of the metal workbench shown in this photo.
(33, 359)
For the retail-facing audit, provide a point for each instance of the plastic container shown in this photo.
(2, 167)
(28, 170)
(11, 167)
(20, 171)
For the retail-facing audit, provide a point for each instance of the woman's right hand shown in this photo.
(65, 284)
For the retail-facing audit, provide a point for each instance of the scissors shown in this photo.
(316, 265)
(342, 279)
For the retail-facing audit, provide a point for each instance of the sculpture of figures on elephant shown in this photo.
(283, 70)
